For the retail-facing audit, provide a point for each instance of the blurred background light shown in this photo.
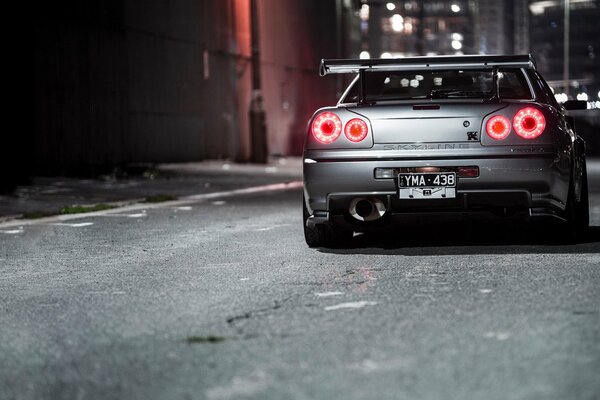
(582, 96)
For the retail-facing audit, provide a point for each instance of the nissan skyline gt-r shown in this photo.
(429, 136)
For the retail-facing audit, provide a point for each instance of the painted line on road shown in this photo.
(497, 335)
(13, 231)
(79, 225)
(183, 201)
(328, 294)
(351, 305)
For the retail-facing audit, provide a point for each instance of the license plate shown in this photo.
(442, 179)
(427, 185)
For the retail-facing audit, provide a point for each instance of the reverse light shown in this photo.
(385, 173)
(326, 128)
(356, 130)
(529, 123)
(498, 127)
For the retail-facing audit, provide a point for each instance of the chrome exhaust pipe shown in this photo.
(366, 209)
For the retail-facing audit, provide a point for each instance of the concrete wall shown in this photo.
(295, 37)
(123, 81)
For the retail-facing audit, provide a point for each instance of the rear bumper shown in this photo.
(535, 185)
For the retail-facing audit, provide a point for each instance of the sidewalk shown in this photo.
(48, 195)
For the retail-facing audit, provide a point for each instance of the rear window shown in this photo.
(408, 85)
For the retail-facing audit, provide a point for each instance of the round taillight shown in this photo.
(529, 123)
(326, 127)
(356, 130)
(498, 127)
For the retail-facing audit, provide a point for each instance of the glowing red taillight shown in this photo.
(498, 127)
(326, 127)
(356, 130)
(529, 123)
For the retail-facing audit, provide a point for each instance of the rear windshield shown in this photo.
(408, 85)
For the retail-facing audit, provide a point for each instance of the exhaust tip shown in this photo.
(366, 209)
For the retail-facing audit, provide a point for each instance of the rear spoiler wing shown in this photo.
(341, 66)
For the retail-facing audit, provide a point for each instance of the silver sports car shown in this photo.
(433, 136)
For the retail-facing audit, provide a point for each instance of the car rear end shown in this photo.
(437, 136)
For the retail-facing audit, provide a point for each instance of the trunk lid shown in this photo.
(427, 122)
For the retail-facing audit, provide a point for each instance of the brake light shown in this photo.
(498, 127)
(356, 130)
(529, 123)
(326, 127)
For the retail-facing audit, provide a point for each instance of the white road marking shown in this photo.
(183, 208)
(268, 228)
(485, 291)
(367, 366)
(13, 231)
(497, 335)
(138, 215)
(328, 294)
(219, 202)
(183, 201)
(351, 305)
(78, 225)
(244, 279)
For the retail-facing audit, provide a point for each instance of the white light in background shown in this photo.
(456, 45)
(455, 8)
(414, 83)
(364, 12)
(391, 6)
(599, 94)
(582, 96)
(457, 36)
(561, 97)
(397, 22)
(364, 55)
(386, 55)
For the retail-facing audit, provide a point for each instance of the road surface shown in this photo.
(220, 298)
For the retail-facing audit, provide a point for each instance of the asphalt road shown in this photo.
(222, 299)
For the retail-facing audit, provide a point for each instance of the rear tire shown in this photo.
(323, 235)
(577, 212)
(583, 211)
